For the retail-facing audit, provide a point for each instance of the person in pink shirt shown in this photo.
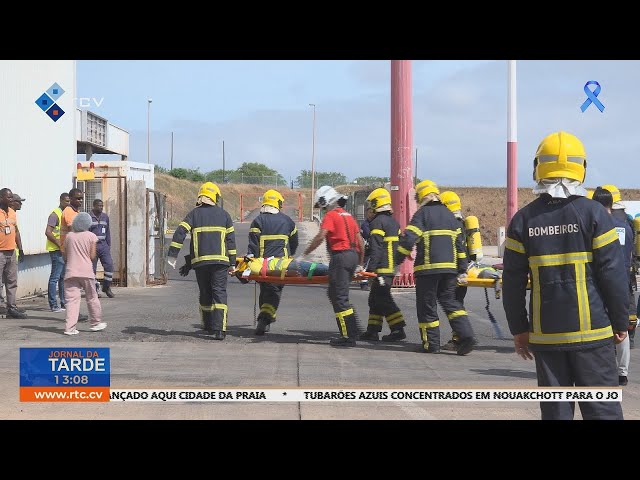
(79, 251)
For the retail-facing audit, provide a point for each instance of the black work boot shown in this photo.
(207, 323)
(343, 342)
(218, 334)
(370, 335)
(395, 336)
(465, 345)
(107, 289)
(430, 348)
(13, 312)
(262, 327)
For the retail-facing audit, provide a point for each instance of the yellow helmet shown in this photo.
(273, 198)
(560, 155)
(615, 193)
(424, 188)
(451, 200)
(590, 194)
(210, 190)
(379, 198)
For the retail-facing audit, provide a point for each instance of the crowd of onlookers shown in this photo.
(75, 241)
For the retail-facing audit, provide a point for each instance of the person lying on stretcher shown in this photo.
(277, 267)
(479, 270)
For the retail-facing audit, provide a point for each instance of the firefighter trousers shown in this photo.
(594, 367)
(382, 305)
(431, 290)
(341, 269)
(212, 283)
(270, 294)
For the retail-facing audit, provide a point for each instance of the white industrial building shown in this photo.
(39, 143)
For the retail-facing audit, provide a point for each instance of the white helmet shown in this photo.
(326, 196)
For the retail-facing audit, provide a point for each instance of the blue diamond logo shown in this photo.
(55, 91)
(55, 112)
(44, 102)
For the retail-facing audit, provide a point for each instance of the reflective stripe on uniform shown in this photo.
(415, 230)
(217, 306)
(605, 239)
(395, 318)
(579, 261)
(423, 328)
(514, 245)
(268, 308)
(340, 317)
(266, 238)
(194, 238)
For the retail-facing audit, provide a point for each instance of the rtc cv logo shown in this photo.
(47, 102)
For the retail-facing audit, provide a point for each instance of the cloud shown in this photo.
(459, 124)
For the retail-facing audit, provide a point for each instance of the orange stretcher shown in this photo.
(316, 279)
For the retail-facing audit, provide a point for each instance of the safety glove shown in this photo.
(186, 268)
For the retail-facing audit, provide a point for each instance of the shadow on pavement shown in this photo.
(505, 372)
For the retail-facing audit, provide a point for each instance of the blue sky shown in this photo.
(261, 110)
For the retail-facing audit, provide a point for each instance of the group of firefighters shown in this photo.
(558, 244)
(440, 264)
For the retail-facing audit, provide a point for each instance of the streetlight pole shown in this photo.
(149, 130)
(313, 158)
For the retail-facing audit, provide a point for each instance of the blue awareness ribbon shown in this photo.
(591, 96)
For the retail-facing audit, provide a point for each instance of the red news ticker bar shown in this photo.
(64, 394)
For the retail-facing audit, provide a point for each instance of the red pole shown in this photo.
(402, 190)
(512, 143)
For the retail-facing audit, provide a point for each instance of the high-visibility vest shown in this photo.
(52, 247)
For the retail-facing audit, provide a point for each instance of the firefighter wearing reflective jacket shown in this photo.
(569, 247)
(346, 247)
(472, 243)
(271, 234)
(383, 241)
(618, 211)
(212, 254)
(441, 261)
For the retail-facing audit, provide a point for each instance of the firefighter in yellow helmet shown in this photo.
(471, 236)
(212, 253)
(441, 261)
(271, 234)
(625, 235)
(578, 299)
(383, 241)
(619, 212)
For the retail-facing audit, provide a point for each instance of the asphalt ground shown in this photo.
(156, 341)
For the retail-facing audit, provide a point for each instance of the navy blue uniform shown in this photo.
(212, 251)
(272, 235)
(440, 257)
(569, 249)
(383, 242)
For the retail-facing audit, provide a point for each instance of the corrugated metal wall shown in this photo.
(37, 155)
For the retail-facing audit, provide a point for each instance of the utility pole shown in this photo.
(313, 158)
(223, 176)
(171, 150)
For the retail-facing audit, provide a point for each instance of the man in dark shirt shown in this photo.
(100, 227)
